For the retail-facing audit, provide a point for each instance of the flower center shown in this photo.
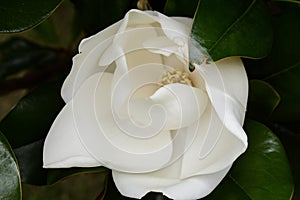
(175, 76)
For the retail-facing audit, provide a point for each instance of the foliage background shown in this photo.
(39, 39)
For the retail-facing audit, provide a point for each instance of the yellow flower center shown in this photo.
(175, 76)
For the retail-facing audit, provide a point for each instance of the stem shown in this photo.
(290, 1)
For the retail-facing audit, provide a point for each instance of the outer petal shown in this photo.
(86, 62)
(138, 185)
(235, 79)
(63, 147)
(227, 86)
(213, 149)
(106, 140)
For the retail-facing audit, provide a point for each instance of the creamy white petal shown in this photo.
(228, 92)
(101, 134)
(86, 62)
(160, 45)
(140, 80)
(213, 149)
(184, 20)
(138, 185)
(183, 104)
(235, 78)
(63, 148)
(171, 107)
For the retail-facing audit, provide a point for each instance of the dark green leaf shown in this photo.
(10, 183)
(262, 172)
(19, 15)
(96, 15)
(18, 54)
(291, 142)
(181, 8)
(262, 100)
(60, 30)
(55, 175)
(232, 28)
(32, 117)
(30, 160)
(282, 68)
(79, 187)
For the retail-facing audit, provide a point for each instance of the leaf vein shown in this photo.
(211, 49)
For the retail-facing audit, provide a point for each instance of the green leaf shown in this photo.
(79, 187)
(232, 28)
(32, 117)
(96, 15)
(60, 30)
(291, 142)
(181, 8)
(262, 172)
(30, 160)
(19, 15)
(262, 100)
(282, 67)
(55, 175)
(19, 54)
(10, 183)
(27, 125)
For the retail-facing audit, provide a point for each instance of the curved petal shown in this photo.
(183, 104)
(228, 91)
(171, 107)
(235, 78)
(86, 62)
(138, 185)
(213, 148)
(63, 147)
(106, 140)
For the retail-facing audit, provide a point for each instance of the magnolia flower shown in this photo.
(133, 106)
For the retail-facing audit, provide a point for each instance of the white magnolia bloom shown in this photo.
(133, 106)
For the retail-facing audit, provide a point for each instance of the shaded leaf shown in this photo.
(291, 142)
(282, 67)
(96, 15)
(262, 172)
(232, 28)
(30, 160)
(18, 54)
(181, 8)
(262, 100)
(19, 15)
(55, 175)
(10, 183)
(60, 30)
(32, 117)
(78, 187)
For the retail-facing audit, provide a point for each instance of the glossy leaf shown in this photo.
(262, 172)
(262, 100)
(78, 187)
(96, 15)
(19, 15)
(181, 8)
(19, 54)
(60, 30)
(291, 142)
(30, 160)
(282, 67)
(55, 175)
(32, 117)
(10, 183)
(231, 28)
